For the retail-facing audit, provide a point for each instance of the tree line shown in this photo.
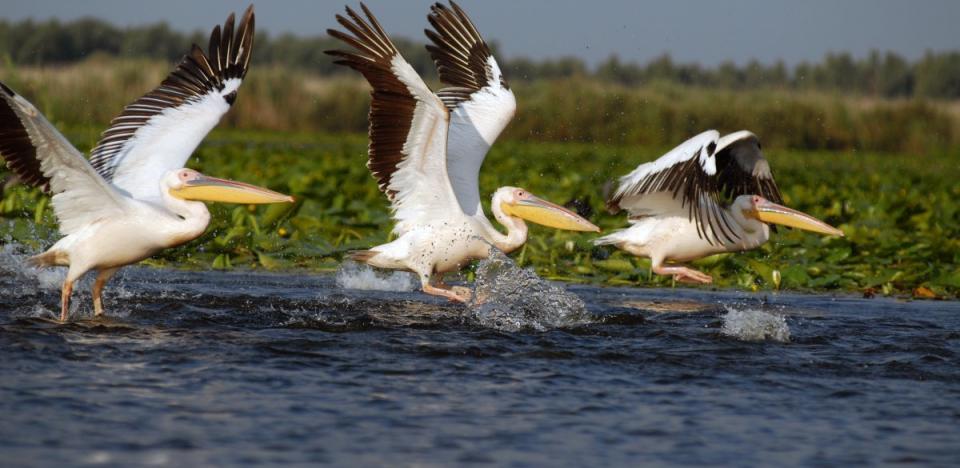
(881, 74)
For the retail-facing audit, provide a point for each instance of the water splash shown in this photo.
(509, 298)
(755, 325)
(353, 275)
(13, 262)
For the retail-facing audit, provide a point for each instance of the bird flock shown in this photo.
(133, 197)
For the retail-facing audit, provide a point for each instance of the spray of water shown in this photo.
(755, 325)
(509, 298)
(13, 262)
(353, 275)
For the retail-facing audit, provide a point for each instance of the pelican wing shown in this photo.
(408, 124)
(704, 173)
(159, 131)
(481, 103)
(37, 153)
(742, 169)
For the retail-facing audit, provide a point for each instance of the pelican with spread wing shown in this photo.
(426, 149)
(707, 196)
(133, 198)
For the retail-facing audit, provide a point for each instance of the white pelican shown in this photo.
(133, 198)
(708, 195)
(426, 149)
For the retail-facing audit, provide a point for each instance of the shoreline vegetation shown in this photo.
(901, 216)
(883, 170)
(576, 109)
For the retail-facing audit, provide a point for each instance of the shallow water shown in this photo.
(236, 368)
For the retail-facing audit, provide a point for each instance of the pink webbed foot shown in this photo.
(684, 274)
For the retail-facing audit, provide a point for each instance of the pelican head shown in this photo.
(766, 211)
(188, 184)
(520, 203)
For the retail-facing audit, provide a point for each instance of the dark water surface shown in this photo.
(231, 368)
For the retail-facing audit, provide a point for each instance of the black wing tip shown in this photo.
(197, 74)
(613, 206)
(458, 50)
(231, 20)
(16, 147)
(366, 10)
(611, 196)
(363, 7)
(338, 34)
(7, 90)
(365, 36)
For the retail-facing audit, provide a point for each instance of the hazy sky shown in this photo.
(708, 32)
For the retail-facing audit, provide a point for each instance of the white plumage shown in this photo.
(150, 152)
(708, 195)
(426, 148)
(133, 199)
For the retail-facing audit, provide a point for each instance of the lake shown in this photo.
(242, 368)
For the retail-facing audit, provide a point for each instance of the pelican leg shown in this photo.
(457, 294)
(461, 291)
(65, 299)
(683, 274)
(102, 277)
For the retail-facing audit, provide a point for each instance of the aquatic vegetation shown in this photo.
(900, 214)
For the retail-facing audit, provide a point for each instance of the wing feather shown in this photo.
(42, 157)
(408, 123)
(159, 131)
(480, 101)
(705, 173)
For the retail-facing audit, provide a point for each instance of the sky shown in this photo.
(705, 32)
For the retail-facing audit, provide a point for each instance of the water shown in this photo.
(509, 298)
(207, 368)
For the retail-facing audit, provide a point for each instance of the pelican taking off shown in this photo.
(133, 198)
(708, 195)
(426, 149)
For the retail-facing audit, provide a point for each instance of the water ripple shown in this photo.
(196, 368)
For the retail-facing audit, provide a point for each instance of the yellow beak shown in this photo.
(542, 212)
(770, 212)
(213, 189)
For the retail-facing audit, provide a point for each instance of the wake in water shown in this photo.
(509, 298)
(755, 325)
(353, 275)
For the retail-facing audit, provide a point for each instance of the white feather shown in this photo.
(81, 196)
(474, 127)
(421, 184)
(680, 154)
(166, 142)
(734, 137)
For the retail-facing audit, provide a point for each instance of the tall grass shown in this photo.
(90, 93)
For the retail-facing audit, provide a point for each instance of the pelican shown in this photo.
(133, 198)
(708, 195)
(426, 149)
